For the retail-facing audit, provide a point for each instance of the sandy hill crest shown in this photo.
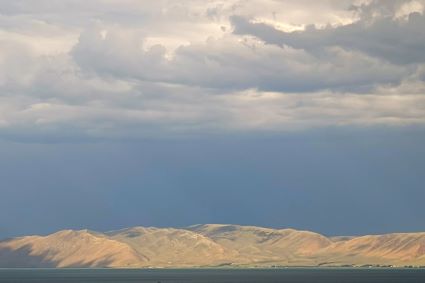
(209, 245)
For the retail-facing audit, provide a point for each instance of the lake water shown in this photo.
(296, 275)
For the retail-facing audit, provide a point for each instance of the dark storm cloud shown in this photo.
(335, 181)
(394, 40)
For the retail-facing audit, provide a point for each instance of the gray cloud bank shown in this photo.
(135, 69)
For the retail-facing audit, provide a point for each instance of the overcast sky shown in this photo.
(303, 114)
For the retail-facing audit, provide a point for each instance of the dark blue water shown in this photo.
(296, 275)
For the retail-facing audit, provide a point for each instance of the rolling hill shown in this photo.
(210, 245)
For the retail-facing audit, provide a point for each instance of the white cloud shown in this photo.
(134, 69)
(230, 62)
(408, 8)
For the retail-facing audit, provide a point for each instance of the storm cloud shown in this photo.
(107, 69)
(305, 114)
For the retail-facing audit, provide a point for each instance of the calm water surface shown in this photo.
(297, 275)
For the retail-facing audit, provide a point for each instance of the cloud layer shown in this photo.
(137, 69)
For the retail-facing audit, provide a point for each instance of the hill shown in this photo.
(210, 245)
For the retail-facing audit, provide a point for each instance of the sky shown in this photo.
(301, 114)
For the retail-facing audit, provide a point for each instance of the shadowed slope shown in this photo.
(68, 249)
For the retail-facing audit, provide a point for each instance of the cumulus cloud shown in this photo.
(132, 69)
(396, 41)
(230, 63)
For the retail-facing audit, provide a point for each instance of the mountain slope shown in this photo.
(68, 249)
(390, 249)
(209, 245)
(174, 247)
(256, 244)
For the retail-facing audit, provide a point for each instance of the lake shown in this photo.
(296, 275)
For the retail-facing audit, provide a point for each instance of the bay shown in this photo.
(296, 275)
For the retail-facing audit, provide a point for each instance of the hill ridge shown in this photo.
(210, 245)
